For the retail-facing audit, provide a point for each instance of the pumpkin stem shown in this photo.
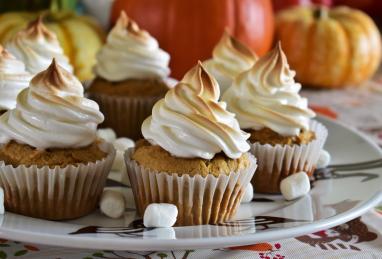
(320, 12)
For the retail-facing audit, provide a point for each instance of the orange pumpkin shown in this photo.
(189, 30)
(329, 48)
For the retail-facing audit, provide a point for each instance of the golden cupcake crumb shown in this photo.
(268, 136)
(159, 160)
(16, 154)
(129, 87)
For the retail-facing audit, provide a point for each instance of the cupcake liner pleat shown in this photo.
(55, 193)
(124, 114)
(200, 200)
(278, 162)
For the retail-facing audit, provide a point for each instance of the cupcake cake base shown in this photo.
(276, 162)
(126, 104)
(200, 198)
(55, 192)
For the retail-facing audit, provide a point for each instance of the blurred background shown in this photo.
(189, 30)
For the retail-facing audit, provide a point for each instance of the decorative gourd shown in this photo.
(80, 36)
(329, 48)
(189, 30)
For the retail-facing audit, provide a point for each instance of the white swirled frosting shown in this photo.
(52, 113)
(13, 79)
(191, 122)
(230, 57)
(131, 53)
(267, 96)
(36, 46)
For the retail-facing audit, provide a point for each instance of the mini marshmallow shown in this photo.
(107, 134)
(1, 201)
(121, 145)
(160, 215)
(295, 186)
(324, 159)
(112, 203)
(248, 194)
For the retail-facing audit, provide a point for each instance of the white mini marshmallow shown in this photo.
(112, 203)
(107, 134)
(121, 145)
(160, 215)
(1, 201)
(248, 193)
(295, 186)
(324, 159)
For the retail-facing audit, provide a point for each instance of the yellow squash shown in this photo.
(329, 48)
(79, 36)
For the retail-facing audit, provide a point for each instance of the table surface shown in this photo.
(359, 238)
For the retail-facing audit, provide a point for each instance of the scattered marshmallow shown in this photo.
(324, 159)
(1, 201)
(121, 145)
(112, 203)
(107, 134)
(160, 215)
(295, 186)
(248, 194)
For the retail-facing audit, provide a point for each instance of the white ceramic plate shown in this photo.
(345, 195)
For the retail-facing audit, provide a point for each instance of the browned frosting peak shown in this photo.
(56, 79)
(125, 23)
(37, 28)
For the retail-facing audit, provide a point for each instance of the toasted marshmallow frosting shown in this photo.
(131, 53)
(13, 79)
(52, 113)
(36, 46)
(230, 57)
(191, 122)
(266, 96)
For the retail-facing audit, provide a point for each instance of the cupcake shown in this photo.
(131, 73)
(13, 79)
(230, 57)
(36, 46)
(194, 154)
(284, 138)
(52, 166)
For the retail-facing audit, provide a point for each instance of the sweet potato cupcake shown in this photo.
(230, 57)
(52, 166)
(284, 138)
(194, 156)
(13, 79)
(36, 46)
(131, 73)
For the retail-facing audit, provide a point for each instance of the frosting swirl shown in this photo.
(52, 113)
(13, 78)
(131, 53)
(230, 57)
(36, 46)
(266, 96)
(191, 122)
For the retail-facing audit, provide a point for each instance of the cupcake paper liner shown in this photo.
(55, 193)
(278, 162)
(124, 114)
(200, 200)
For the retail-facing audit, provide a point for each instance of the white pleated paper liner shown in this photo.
(125, 114)
(200, 200)
(277, 162)
(55, 193)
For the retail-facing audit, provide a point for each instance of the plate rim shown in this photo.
(107, 243)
